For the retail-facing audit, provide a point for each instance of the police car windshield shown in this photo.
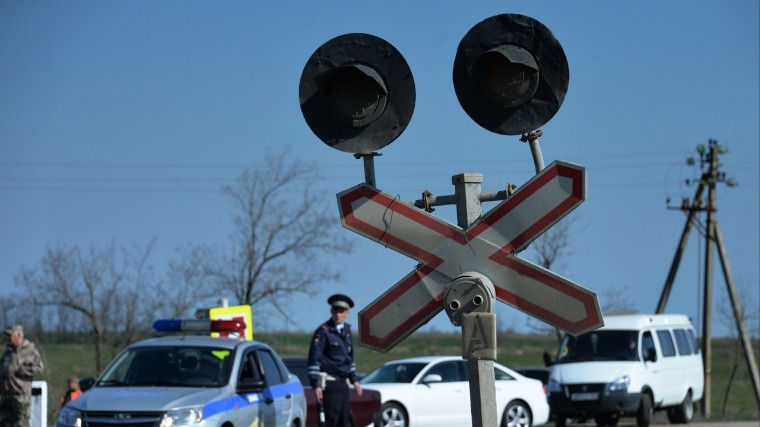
(599, 345)
(171, 366)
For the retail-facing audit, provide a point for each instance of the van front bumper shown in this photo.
(592, 399)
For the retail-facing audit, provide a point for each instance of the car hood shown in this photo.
(144, 398)
(589, 372)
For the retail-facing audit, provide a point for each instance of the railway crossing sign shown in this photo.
(488, 246)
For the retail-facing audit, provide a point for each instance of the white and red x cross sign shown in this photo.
(488, 246)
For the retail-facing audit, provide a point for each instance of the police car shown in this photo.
(194, 381)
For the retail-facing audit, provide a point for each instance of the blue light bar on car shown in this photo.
(203, 325)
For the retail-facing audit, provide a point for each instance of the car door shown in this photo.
(259, 408)
(506, 388)
(277, 389)
(653, 369)
(445, 403)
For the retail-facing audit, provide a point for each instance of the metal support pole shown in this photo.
(467, 192)
(369, 167)
(482, 381)
(535, 148)
(482, 393)
(468, 301)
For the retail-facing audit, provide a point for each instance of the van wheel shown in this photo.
(644, 414)
(683, 413)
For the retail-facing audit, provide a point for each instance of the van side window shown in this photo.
(647, 342)
(693, 340)
(666, 343)
(682, 341)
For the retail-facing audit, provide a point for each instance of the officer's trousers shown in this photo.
(15, 410)
(335, 401)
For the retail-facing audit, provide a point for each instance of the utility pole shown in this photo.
(711, 176)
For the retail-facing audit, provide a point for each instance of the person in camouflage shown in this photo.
(20, 363)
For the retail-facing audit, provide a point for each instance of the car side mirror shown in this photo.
(547, 359)
(651, 355)
(250, 385)
(86, 383)
(432, 378)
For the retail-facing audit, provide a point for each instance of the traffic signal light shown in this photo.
(510, 74)
(357, 93)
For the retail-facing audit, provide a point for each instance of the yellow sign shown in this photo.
(236, 312)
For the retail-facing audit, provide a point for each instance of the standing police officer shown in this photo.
(331, 355)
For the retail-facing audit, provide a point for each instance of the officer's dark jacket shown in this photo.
(332, 353)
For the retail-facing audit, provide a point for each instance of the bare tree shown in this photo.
(7, 305)
(186, 284)
(283, 231)
(101, 285)
(554, 244)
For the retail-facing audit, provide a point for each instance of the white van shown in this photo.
(632, 366)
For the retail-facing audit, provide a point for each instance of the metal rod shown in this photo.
(535, 148)
(369, 167)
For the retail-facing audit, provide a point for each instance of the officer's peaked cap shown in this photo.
(340, 300)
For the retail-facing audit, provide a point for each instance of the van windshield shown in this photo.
(170, 366)
(599, 345)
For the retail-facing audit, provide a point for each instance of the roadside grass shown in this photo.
(514, 350)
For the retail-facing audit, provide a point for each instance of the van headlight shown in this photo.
(69, 417)
(620, 383)
(182, 417)
(554, 386)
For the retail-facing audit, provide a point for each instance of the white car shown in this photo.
(434, 391)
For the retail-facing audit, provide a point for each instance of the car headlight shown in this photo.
(620, 383)
(69, 417)
(554, 386)
(182, 417)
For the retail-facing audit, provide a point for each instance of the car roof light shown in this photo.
(201, 325)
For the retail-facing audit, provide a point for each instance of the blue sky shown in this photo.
(120, 121)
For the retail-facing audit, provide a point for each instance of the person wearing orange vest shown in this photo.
(72, 392)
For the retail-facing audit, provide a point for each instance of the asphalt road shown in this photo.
(630, 422)
(727, 424)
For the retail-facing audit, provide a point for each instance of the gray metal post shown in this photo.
(482, 379)
(535, 148)
(467, 191)
(369, 167)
